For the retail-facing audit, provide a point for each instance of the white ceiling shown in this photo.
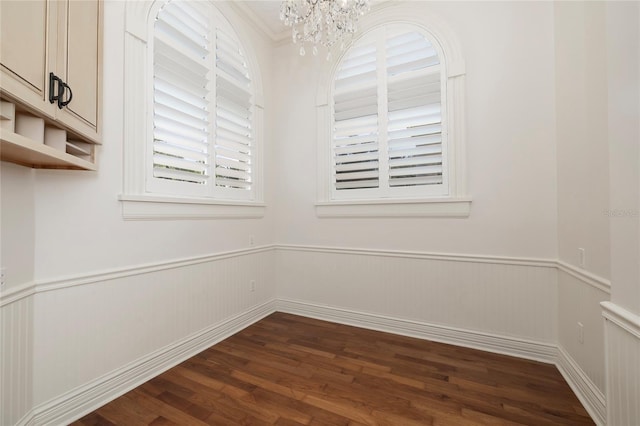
(266, 14)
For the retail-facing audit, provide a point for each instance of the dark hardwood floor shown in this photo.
(291, 370)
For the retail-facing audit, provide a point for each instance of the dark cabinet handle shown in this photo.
(58, 95)
(53, 93)
(61, 90)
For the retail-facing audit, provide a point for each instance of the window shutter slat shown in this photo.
(365, 156)
(241, 131)
(181, 164)
(357, 166)
(180, 176)
(344, 150)
(417, 44)
(416, 181)
(410, 171)
(416, 131)
(168, 47)
(233, 146)
(225, 152)
(184, 116)
(163, 89)
(233, 163)
(398, 151)
(415, 161)
(359, 70)
(233, 108)
(168, 100)
(165, 136)
(355, 99)
(368, 175)
(225, 135)
(358, 184)
(177, 127)
(230, 173)
(233, 183)
(190, 18)
(180, 65)
(180, 151)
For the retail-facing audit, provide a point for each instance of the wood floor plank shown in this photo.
(289, 370)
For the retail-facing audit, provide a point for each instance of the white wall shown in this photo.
(598, 128)
(17, 229)
(582, 145)
(623, 78)
(508, 49)
(622, 329)
(583, 180)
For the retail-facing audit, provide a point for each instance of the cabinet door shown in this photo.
(26, 29)
(79, 62)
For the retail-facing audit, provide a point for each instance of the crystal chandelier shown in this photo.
(323, 22)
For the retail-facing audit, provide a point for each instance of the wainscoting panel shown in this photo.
(582, 362)
(622, 336)
(93, 331)
(16, 355)
(496, 296)
(72, 344)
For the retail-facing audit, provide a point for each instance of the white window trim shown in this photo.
(457, 203)
(137, 202)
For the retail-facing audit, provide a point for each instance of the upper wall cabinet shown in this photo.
(28, 36)
(77, 62)
(50, 70)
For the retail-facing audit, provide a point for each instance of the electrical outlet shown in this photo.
(580, 333)
(3, 273)
(581, 257)
(253, 285)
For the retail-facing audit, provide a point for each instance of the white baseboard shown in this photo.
(85, 399)
(587, 392)
(537, 351)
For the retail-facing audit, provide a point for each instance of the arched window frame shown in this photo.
(138, 202)
(455, 202)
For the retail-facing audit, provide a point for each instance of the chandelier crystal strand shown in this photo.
(322, 22)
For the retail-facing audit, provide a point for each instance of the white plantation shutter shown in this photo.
(233, 115)
(181, 90)
(202, 109)
(387, 117)
(355, 133)
(414, 135)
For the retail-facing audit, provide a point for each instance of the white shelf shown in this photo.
(18, 149)
(75, 149)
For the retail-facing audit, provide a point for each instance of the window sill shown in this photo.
(151, 207)
(435, 207)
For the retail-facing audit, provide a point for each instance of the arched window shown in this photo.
(387, 131)
(391, 121)
(193, 113)
(202, 105)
